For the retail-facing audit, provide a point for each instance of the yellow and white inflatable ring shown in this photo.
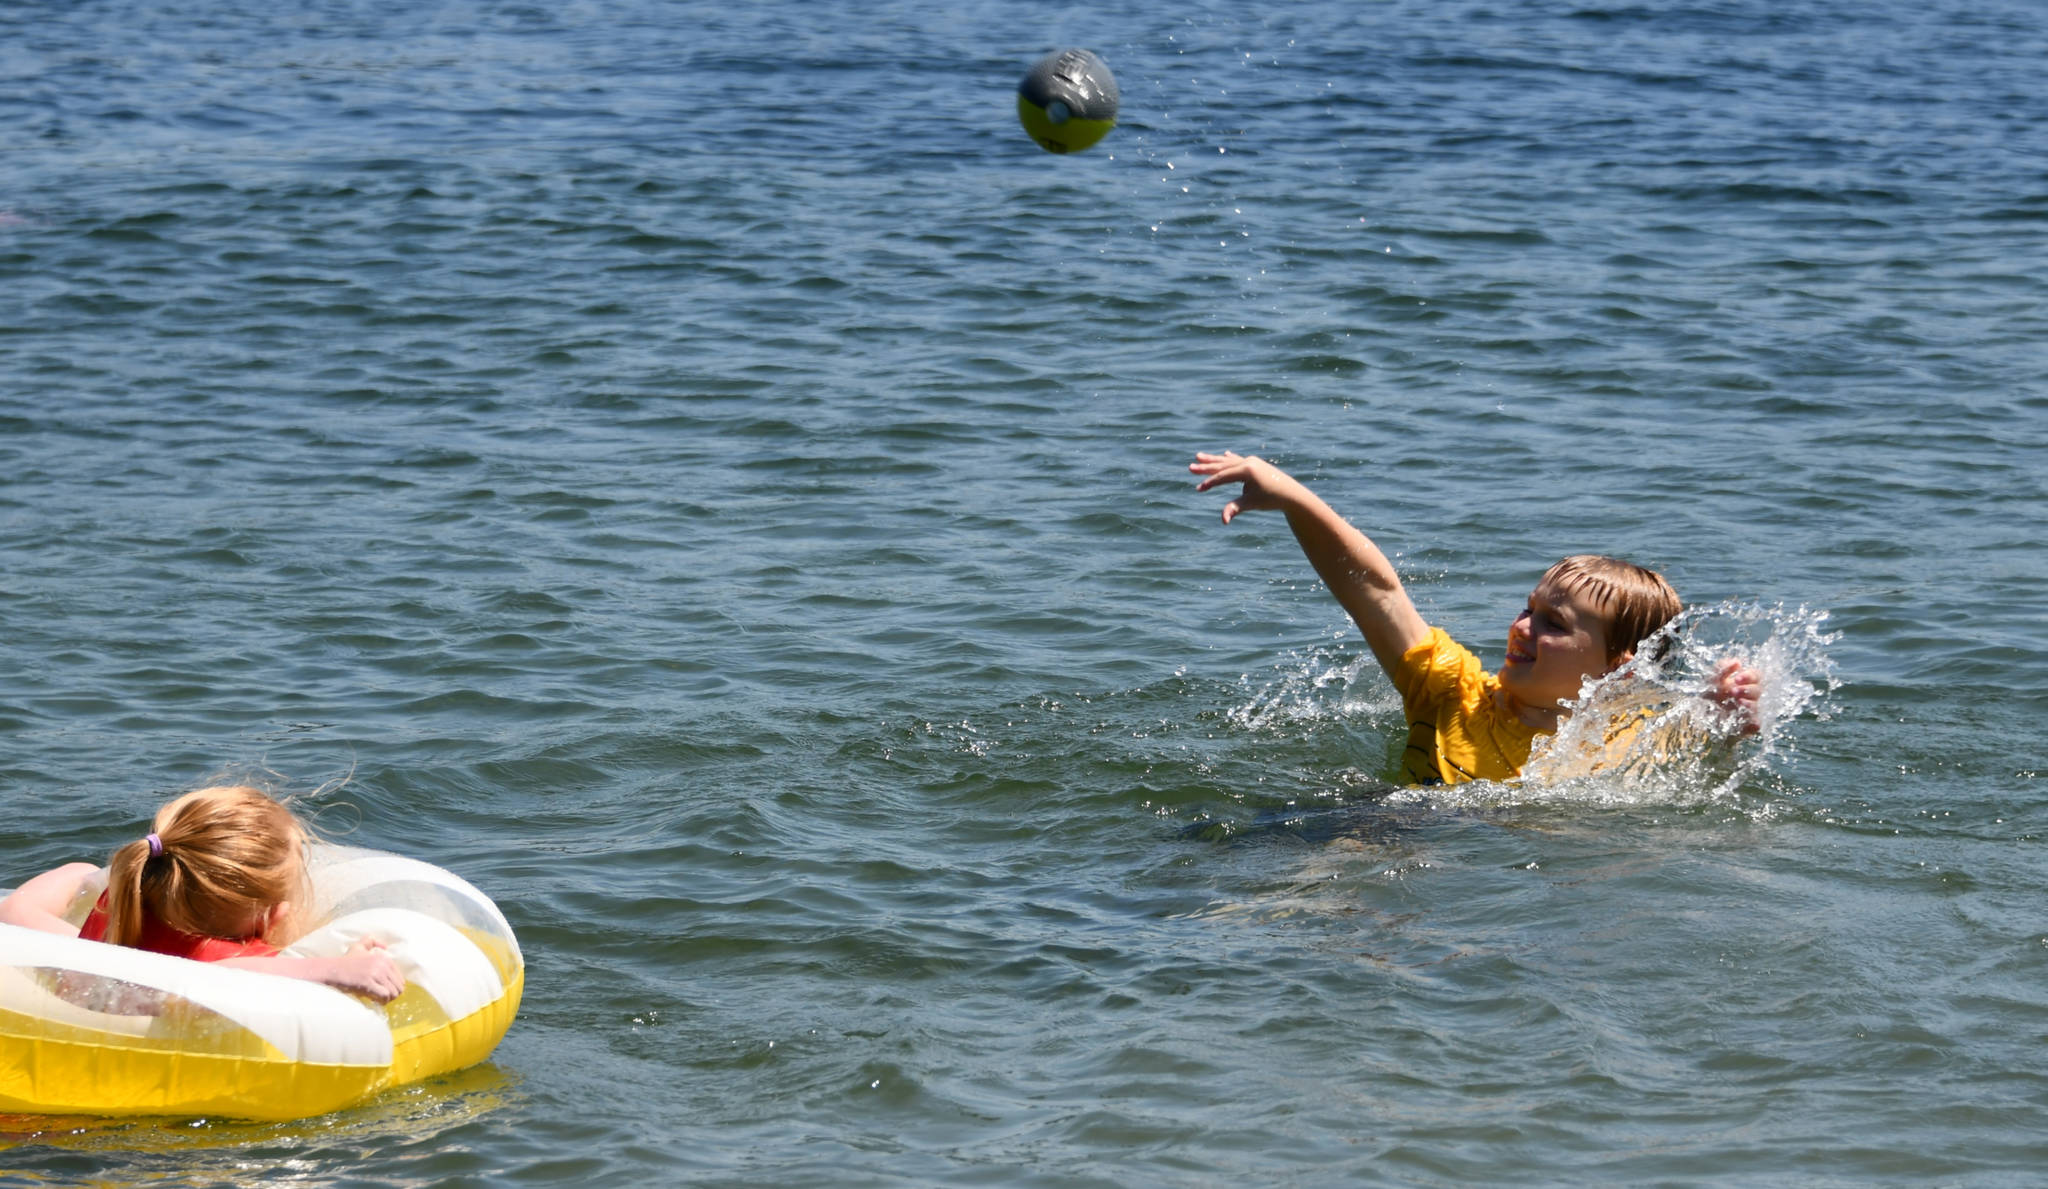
(97, 1029)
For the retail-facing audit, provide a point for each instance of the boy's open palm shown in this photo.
(1263, 482)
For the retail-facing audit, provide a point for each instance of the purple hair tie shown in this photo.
(156, 845)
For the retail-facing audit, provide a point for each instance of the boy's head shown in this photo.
(1585, 618)
(1633, 601)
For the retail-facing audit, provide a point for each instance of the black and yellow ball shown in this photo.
(1068, 101)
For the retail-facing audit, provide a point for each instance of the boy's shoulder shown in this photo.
(1438, 665)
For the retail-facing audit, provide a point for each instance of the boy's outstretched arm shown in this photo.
(1349, 563)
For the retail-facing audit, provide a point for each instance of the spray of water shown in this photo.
(1648, 733)
(1317, 686)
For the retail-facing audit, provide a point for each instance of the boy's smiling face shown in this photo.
(1557, 642)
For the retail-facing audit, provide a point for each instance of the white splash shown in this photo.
(1648, 733)
(1319, 687)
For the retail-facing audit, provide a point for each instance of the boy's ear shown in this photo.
(1627, 655)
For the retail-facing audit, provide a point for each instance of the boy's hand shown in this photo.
(1263, 482)
(1735, 690)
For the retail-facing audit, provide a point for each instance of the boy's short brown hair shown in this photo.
(1635, 600)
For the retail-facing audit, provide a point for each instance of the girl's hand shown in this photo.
(1735, 690)
(365, 970)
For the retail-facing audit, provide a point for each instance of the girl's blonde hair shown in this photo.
(222, 857)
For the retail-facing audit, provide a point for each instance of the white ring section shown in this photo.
(433, 956)
(302, 1020)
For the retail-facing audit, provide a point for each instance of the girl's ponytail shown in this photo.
(215, 863)
(124, 893)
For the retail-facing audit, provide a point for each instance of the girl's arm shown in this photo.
(40, 903)
(1348, 562)
(364, 970)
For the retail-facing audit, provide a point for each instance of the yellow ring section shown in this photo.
(72, 1075)
(65, 1070)
(454, 1044)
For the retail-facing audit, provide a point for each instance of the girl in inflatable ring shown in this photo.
(214, 880)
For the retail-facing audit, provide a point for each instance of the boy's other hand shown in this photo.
(1736, 689)
(1261, 481)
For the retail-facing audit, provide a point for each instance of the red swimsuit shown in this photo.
(160, 938)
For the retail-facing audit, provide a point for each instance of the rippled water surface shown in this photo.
(709, 479)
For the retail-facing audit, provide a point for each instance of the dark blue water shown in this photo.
(706, 477)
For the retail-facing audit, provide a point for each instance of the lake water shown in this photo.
(706, 477)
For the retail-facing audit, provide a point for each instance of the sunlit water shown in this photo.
(703, 475)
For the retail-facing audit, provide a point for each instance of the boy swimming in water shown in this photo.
(1586, 618)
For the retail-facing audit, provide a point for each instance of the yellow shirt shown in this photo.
(1455, 731)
